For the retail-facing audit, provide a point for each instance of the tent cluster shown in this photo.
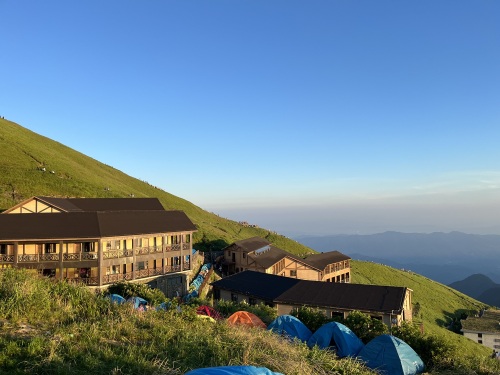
(197, 281)
(137, 302)
(386, 354)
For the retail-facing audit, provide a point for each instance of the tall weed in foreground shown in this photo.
(23, 295)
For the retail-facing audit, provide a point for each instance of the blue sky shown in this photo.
(304, 117)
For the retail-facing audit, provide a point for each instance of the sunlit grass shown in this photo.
(23, 154)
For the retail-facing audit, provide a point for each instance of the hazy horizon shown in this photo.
(419, 214)
(303, 117)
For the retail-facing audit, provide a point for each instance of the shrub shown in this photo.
(127, 290)
(313, 318)
(364, 326)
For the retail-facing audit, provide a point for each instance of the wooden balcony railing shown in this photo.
(140, 274)
(92, 281)
(6, 258)
(28, 258)
(109, 254)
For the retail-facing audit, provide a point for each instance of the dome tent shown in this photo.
(245, 318)
(391, 356)
(209, 311)
(346, 343)
(233, 370)
(116, 298)
(138, 303)
(291, 327)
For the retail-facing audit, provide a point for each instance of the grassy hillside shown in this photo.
(50, 327)
(24, 153)
(437, 303)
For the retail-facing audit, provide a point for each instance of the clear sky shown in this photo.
(301, 116)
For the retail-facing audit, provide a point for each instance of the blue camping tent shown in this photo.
(290, 326)
(164, 306)
(138, 302)
(346, 343)
(116, 298)
(233, 370)
(391, 356)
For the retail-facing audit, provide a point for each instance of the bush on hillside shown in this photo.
(364, 326)
(128, 289)
(312, 317)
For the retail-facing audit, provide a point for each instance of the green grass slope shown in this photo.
(24, 153)
(437, 303)
(51, 327)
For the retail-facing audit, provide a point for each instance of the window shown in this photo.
(108, 245)
(337, 314)
(252, 301)
(244, 255)
(293, 273)
(496, 340)
(141, 265)
(233, 257)
(479, 335)
(234, 297)
(496, 346)
(479, 341)
(3, 249)
(50, 248)
(88, 247)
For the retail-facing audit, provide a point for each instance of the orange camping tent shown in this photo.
(246, 318)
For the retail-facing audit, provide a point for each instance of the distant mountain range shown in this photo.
(444, 257)
(480, 287)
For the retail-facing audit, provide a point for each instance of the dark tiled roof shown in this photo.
(258, 284)
(484, 325)
(43, 226)
(267, 258)
(315, 293)
(104, 204)
(62, 203)
(347, 296)
(320, 261)
(251, 244)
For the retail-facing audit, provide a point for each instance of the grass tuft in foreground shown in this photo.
(51, 327)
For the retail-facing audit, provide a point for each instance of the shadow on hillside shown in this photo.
(452, 320)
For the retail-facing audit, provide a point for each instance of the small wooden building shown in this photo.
(390, 304)
(258, 254)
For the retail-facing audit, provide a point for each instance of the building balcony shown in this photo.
(81, 256)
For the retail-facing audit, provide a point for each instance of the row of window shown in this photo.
(146, 242)
(50, 248)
